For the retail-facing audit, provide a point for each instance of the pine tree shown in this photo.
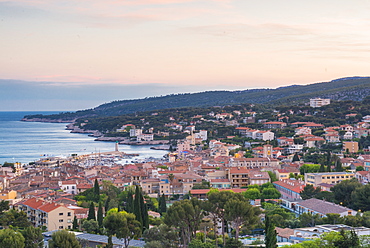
(100, 215)
(162, 204)
(75, 223)
(137, 207)
(270, 234)
(91, 215)
(96, 191)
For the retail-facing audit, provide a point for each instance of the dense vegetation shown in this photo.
(342, 89)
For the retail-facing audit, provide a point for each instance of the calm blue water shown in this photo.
(25, 142)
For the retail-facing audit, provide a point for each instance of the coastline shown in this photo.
(99, 136)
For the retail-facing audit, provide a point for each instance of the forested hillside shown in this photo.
(355, 88)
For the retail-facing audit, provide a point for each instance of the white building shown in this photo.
(201, 135)
(135, 132)
(265, 135)
(318, 102)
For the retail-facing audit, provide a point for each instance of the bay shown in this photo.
(26, 142)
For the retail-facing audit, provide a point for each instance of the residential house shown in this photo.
(265, 135)
(319, 102)
(350, 146)
(274, 125)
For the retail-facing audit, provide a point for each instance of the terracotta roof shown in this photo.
(48, 207)
(284, 232)
(323, 207)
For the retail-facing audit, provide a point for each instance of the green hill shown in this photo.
(353, 88)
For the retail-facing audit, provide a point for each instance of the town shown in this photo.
(235, 176)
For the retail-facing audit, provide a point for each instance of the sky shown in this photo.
(78, 54)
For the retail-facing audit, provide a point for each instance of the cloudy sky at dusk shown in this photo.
(77, 54)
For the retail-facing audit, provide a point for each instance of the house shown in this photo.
(350, 146)
(314, 141)
(302, 131)
(363, 176)
(135, 132)
(51, 215)
(327, 177)
(258, 177)
(274, 125)
(145, 137)
(319, 102)
(220, 183)
(242, 130)
(265, 135)
(7, 195)
(239, 177)
(69, 187)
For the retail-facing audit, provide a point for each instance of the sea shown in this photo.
(26, 142)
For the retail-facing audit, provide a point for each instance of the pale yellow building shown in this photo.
(8, 195)
(352, 146)
(327, 177)
(51, 215)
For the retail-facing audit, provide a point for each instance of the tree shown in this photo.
(100, 217)
(137, 207)
(129, 203)
(163, 234)
(63, 239)
(348, 239)
(33, 237)
(309, 191)
(96, 190)
(162, 204)
(240, 212)
(144, 212)
(91, 215)
(90, 226)
(361, 198)
(216, 201)
(252, 194)
(270, 234)
(308, 219)
(322, 168)
(14, 218)
(11, 239)
(123, 225)
(271, 193)
(75, 223)
(186, 216)
(4, 205)
(295, 157)
(343, 191)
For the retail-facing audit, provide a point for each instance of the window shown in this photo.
(69, 227)
(61, 227)
(73, 187)
(61, 220)
(69, 214)
(60, 213)
(69, 221)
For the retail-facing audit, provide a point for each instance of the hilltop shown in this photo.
(351, 88)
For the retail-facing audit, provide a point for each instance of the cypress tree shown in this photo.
(270, 234)
(100, 215)
(322, 168)
(91, 215)
(328, 168)
(162, 204)
(106, 206)
(96, 190)
(130, 202)
(144, 212)
(110, 242)
(137, 207)
(75, 223)
(295, 157)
